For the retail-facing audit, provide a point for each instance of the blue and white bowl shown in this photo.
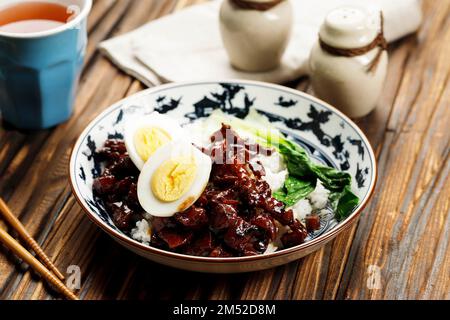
(326, 133)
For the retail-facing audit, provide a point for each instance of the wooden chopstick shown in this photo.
(22, 253)
(18, 226)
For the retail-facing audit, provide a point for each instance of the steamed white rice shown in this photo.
(273, 163)
(276, 174)
(301, 209)
(319, 197)
(142, 232)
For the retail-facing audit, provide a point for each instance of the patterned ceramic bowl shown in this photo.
(326, 134)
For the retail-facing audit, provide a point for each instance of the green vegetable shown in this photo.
(303, 173)
(343, 202)
(294, 190)
(300, 166)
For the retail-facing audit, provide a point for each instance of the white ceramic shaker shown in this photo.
(256, 33)
(349, 63)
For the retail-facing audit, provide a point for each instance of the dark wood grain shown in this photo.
(404, 231)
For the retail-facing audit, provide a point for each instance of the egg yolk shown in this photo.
(174, 178)
(149, 139)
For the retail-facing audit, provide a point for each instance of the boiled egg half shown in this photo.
(145, 135)
(173, 178)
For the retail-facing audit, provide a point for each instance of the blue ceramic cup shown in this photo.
(39, 71)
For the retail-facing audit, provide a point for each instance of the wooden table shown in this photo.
(403, 233)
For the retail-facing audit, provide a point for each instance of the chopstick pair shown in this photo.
(41, 268)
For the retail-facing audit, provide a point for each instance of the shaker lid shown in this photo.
(350, 27)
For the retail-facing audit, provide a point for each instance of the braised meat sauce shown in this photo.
(235, 216)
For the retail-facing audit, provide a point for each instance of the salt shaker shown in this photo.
(349, 62)
(255, 33)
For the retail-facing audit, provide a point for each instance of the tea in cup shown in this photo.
(42, 48)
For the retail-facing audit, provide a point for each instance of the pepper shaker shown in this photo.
(255, 33)
(349, 62)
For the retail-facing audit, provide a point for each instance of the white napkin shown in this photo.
(186, 46)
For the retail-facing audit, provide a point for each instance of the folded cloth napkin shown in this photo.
(187, 46)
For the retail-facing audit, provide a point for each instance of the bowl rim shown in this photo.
(322, 239)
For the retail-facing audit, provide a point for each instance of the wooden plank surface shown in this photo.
(403, 233)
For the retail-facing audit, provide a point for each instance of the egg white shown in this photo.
(147, 199)
(153, 120)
